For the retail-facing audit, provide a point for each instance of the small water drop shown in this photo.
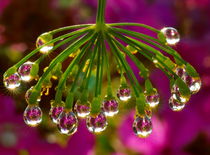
(142, 126)
(25, 70)
(55, 111)
(32, 115)
(67, 123)
(43, 39)
(12, 81)
(171, 34)
(110, 106)
(152, 99)
(82, 110)
(28, 94)
(124, 93)
(194, 83)
(96, 124)
(175, 105)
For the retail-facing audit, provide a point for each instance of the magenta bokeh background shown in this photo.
(174, 133)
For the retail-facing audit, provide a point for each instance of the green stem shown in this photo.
(100, 12)
(142, 46)
(61, 57)
(127, 68)
(97, 86)
(145, 38)
(58, 96)
(83, 31)
(135, 24)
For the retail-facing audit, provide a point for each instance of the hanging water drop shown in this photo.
(43, 39)
(12, 81)
(32, 115)
(142, 126)
(175, 105)
(97, 123)
(124, 93)
(152, 99)
(55, 111)
(110, 106)
(194, 83)
(67, 123)
(178, 96)
(25, 70)
(82, 110)
(171, 35)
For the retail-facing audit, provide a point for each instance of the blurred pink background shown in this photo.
(174, 133)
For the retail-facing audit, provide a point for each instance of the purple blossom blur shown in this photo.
(176, 133)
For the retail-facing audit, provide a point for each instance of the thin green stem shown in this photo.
(100, 12)
(61, 57)
(135, 24)
(97, 86)
(91, 64)
(70, 28)
(142, 46)
(83, 63)
(138, 63)
(82, 31)
(130, 74)
(62, 81)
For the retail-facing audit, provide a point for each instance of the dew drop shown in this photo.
(43, 39)
(152, 99)
(178, 96)
(175, 105)
(55, 112)
(142, 126)
(96, 124)
(82, 110)
(194, 83)
(171, 34)
(25, 70)
(67, 123)
(124, 93)
(32, 115)
(12, 81)
(110, 106)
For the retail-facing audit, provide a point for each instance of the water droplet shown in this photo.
(180, 71)
(55, 111)
(178, 96)
(124, 93)
(82, 110)
(43, 39)
(32, 115)
(12, 81)
(96, 124)
(110, 106)
(194, 83)
(171, 34)
(142, 126)
(152, 99)
(175, 105)
(28, 94)
(67, 123)
(25, 70)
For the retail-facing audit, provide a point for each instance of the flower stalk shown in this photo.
(90, 47)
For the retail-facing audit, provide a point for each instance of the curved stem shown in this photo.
(62, 56)
(135, 24)
(145, 38)
(62, 81)
(130, 74)
(70, 28)
(145, 47)
(83, 31)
